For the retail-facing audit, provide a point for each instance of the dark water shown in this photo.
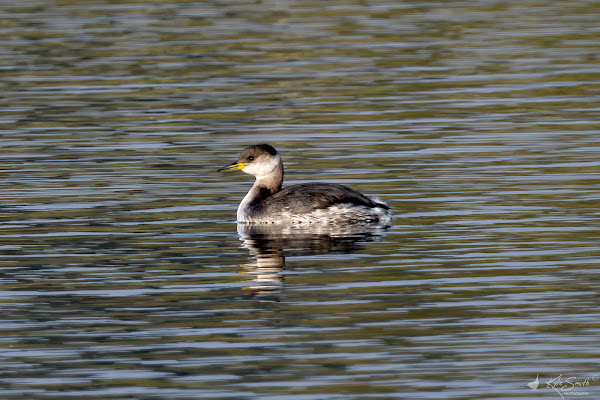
(123, 275)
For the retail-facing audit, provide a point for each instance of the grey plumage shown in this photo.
(306, 197)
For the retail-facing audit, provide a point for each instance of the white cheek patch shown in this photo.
(261, 167)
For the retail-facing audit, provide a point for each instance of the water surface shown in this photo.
(123, 272)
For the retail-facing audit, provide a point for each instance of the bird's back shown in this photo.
(304, 198)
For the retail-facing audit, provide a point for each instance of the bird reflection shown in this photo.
(269, 244)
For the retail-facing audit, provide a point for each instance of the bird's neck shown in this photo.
(263, 187)
(271, 183)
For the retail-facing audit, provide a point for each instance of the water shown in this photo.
(123, 272)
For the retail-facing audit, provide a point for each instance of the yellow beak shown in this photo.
(233, 167)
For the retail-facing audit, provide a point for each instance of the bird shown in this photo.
(304, 203)
(534, 384)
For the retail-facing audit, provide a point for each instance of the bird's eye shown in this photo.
(250, 158)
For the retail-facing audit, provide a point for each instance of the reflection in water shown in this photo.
(268, 245)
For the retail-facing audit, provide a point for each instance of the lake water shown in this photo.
(124, 276)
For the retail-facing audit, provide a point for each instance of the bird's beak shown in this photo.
(233, 167)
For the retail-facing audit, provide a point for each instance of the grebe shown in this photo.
(328, 203)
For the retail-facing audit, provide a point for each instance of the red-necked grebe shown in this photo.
(313, 202)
